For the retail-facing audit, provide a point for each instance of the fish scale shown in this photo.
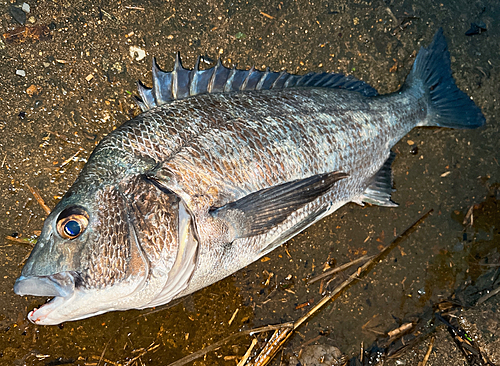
(292, 146)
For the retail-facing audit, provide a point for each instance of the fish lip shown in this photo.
(39, 315)
(60, 284)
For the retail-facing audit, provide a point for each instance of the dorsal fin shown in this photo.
(183, 83)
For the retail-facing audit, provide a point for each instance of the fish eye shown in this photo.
(72, 222)
(72, 228)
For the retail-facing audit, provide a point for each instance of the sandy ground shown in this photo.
(67, 81)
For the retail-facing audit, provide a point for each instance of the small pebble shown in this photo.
(134, 50)
(33, 90)
(21, 73)
(18, 15)
(25, 7)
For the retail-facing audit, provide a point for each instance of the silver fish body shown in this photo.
(194, 189)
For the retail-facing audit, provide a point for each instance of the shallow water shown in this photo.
(85, 74)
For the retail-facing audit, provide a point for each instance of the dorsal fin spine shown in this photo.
(301, 80)
(262, 79)
(228, 86)
(194, 80)
(146, 95)
(279, 79)
(214, 73)
(175, 75)
(287, 82)
(321, 81)
(140, 103)
(159, 93)
(245, 82)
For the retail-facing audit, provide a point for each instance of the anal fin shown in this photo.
(260, 211)
(380, 188)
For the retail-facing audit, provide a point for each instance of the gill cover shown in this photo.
(166, 231)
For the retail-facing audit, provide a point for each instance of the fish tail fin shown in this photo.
(448, 106)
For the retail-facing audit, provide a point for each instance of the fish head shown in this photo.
(118, 247)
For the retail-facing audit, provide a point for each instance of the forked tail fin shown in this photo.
(448, 105)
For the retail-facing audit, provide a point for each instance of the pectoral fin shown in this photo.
(260, 211)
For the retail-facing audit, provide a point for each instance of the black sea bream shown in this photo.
(221, 168)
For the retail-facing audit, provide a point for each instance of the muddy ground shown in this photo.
(66, 81)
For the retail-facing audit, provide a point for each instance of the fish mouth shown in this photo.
(60, 285)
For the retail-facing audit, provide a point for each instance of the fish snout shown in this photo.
(59, 284)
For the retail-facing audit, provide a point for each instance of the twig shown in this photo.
(247, 353)
(266, 15)
(398, 331)
(151, 347)
(234, 316)
(26, 241)
(70, 158)
(368, 322)
(469, 214)
(24, 259)
(361, 352)
(273, 345)
(59, 136)
(105, 360)
(39, 199)
(488, 295)
(338, 269)
(134, 8)
(305, 344)
(428, 353)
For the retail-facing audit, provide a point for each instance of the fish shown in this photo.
(221, 167)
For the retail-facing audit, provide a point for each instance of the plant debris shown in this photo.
(28, 34)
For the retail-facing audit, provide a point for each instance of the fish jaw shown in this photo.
(72, 302)
(47, 314)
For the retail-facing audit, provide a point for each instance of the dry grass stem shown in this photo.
(488, 295)
(247, 353)
(70, 158)
(398, 331)
(427, 354)
(266, 15)
(338, 269)
(143, 351)
(273, 345)
(234, 316)
(19, 240)
(39, 199)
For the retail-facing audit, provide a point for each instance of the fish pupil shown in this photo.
(72, 228)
